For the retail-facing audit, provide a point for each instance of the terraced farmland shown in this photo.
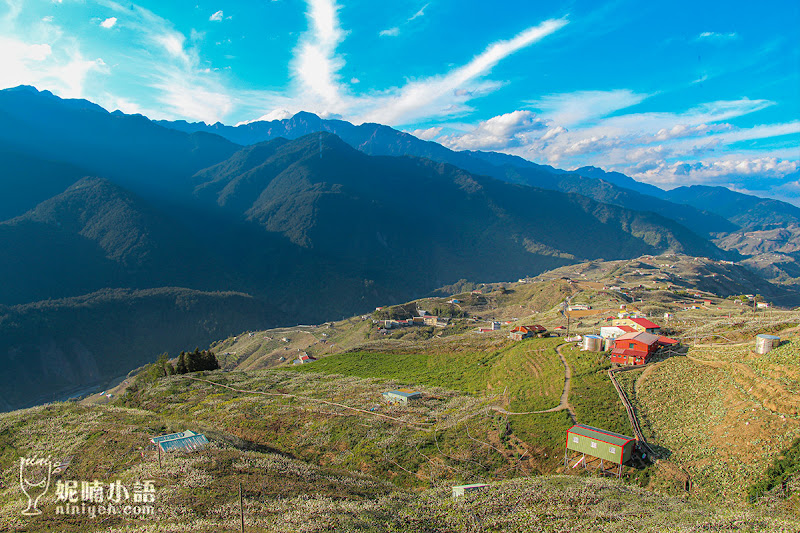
(703, 420)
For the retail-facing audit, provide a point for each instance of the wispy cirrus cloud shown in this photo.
(395, 30)
(568, 109)
(441, 95)
(716, 36)
(419, 13)
(184, 85)
(216, 16)
(46, 58)
(390, 32)
(166, 62)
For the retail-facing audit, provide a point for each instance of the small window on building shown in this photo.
(611, 449)
(594, 445)
(575, 440)
(631, 345)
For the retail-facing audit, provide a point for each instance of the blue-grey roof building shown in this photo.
(186, 441)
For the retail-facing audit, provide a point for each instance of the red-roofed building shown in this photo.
(304, 359)
(634, 348)
(523, 332)
(639, 324)
(666, 341)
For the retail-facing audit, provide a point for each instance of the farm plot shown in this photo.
(773, 379)
(704, 422)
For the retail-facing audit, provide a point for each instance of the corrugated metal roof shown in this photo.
(628, 351)
(405, 393)
(172, 436)
(190, 443)
(644, 323)
(647, 338)
(600, 434)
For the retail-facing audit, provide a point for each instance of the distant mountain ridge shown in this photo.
(130, 150)
(750, 212)
(377, 139)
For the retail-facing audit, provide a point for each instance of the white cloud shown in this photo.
(216, 16)
(353, 81)
(391, 32)
(568, 109)
(716, 36)
(419, 13)
(48, 19)
(500, 132)
(316, 66)
(109, 22)
(668, 149)
(435, 96)
(275, 114)
(427, 134)
(728, 171)
(63, 72)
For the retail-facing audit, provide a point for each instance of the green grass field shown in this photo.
(528, 373)
(592, 395)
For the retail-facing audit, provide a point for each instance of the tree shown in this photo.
(193, 362)
(180, 368)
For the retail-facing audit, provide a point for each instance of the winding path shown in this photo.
(563, 404)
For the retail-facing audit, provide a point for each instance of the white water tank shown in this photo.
(765, 343)
(592, 343)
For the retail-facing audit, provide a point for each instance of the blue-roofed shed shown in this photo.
(401, 396)
(186, 441)
(182, 434)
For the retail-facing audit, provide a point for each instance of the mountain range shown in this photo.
(279, 223)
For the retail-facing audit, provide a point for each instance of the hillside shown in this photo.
(55, 348)
(310, 228)
(199, 491)
(30, 180)
(103, 236)
(747, 211)
(315, 447)
(376, 139)
(324, 172)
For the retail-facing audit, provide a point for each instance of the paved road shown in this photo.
(563, 404)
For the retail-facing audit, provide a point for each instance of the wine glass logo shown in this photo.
(34, 479)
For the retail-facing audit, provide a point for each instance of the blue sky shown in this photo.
(671, 93)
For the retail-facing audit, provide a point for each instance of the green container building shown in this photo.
(606, 445)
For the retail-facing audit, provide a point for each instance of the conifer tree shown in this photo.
(180, 368)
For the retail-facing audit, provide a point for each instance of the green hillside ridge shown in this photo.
(199, 491)
(315, 446)
(745, 210)
(63, 347)
(103, 236)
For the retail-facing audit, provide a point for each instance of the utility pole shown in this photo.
(241, 507)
